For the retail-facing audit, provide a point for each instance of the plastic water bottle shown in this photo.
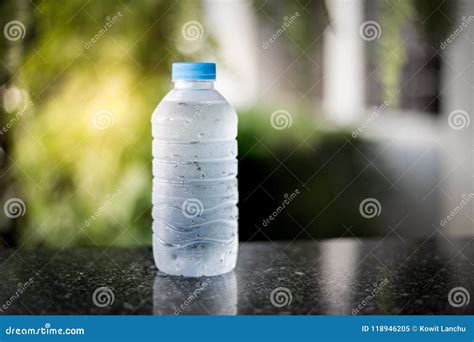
(195, 194)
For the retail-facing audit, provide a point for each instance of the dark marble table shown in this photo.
(340, 276)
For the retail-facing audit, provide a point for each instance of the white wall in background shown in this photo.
(232, 24)
(458, 95)
(344, 64)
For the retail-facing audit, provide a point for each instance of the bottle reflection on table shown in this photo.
(195, 296)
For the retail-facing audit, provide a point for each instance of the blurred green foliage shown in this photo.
(397, 18)
(68, 169)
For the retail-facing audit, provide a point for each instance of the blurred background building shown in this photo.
(358, 110)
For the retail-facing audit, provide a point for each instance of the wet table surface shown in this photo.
(340, 276)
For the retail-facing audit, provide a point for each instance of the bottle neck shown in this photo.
(195, 84)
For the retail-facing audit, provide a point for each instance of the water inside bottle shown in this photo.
(195, 190)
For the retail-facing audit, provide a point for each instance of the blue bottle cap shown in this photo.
(194, 71)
